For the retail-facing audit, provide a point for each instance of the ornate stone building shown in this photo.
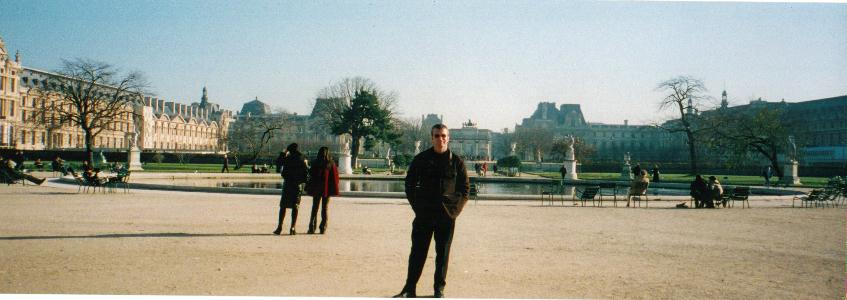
(611, 141)
(165, 125)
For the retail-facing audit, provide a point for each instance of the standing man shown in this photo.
(226, 165)
(437, 188)
(564, 171)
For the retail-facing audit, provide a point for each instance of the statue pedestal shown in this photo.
(626, 172)
(134, 160)
(570, 165)
(344, 166)
(789, 173)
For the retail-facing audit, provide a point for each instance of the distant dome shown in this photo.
(255, 108)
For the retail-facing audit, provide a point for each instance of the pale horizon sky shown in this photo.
(489, 61)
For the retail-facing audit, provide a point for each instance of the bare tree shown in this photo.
(90, 95)
(252, 134)
(413, 131)
(357, 107)
(742, 132)
(536, 140)
(684, 95)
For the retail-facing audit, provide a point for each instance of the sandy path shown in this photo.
(53, 240)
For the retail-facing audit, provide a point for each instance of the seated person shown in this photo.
(638, 187)
(92, 176)
(699, 191)
(8, 167)
(366, 171)
(254, 169)
(38, 164)
(715, 192)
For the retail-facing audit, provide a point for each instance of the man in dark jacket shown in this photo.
(437, 188)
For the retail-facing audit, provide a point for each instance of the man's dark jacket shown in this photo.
(437, 182)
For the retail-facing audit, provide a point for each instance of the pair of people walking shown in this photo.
(320, 181)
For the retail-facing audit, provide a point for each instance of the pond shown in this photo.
(357, 185)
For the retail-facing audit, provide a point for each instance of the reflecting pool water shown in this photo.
(506, 188)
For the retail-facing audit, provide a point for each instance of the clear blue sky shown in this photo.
(490, 61)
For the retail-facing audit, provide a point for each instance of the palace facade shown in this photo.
(164, 125)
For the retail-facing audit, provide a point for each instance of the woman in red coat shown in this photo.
(323, 183)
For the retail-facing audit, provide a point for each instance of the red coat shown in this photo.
(323, 181)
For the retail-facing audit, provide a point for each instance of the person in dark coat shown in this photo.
(656, 174)
(699, 191)
(294, 175)
(323, 183)
(636, 170)
(279, 161)
(564, 171)
(225, 168)
(437, 187)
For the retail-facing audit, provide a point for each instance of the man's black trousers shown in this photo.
(423, 228)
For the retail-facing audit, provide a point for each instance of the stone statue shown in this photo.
(138, 124)
(346, 149)
(569, 142)
(793, 148)
(626, 158)
(514, 145)
(417, 147)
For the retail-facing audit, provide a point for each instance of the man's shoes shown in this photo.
(292, 232)
(439, 293)
(405, 294)
(278, 231)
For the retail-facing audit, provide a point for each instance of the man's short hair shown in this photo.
(438, 126)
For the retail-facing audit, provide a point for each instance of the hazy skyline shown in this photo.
(489, 61)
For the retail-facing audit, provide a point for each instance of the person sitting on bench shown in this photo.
(8, 167)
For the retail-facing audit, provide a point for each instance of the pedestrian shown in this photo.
(226, 165)
(323, 183)
(437, 188)
(293, 177)
(494, 169)
(563, 171)
(767, 173)
(484, 169)
(655, 173)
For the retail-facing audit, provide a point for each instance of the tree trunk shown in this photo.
(692, 153)
(89, 147)
(775, 166)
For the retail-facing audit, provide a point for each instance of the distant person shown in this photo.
(293, 177)
(86, 166)
(636, 170)
(278, 161)
(715, 192)
(19, 160)
(564, 171)
(366, 170)
(656, 174)
(38, 164)
(225, 168)
(494, 169)
(8, 166)
(437, 187)
(484, 169)
(58, 165)
(699, 191)
(323, 183)
(638, 186)
(767, 173)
